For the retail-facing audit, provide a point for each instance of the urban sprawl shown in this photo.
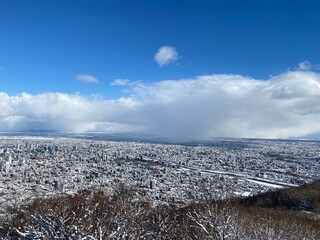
(32, 167)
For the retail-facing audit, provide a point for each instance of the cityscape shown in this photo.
(33, 167)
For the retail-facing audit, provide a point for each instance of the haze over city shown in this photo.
(182, 69)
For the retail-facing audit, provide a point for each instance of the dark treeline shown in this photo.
(279, 214)
(306, 197)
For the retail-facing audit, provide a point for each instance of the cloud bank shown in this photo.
(286, 105)
(166, 55)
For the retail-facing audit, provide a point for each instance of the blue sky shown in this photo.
(216, 54)
(45, 44)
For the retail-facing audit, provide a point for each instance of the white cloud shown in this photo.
(120, 82)
(86, 78)
(230, 105)
(63, 112)
(307, 66)
(304, 66)
(286, 105)
(166, 55)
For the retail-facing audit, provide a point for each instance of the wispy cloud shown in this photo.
(286, 105)
(166, 55)
(86, 78)
(307, 66)
(120, 82)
